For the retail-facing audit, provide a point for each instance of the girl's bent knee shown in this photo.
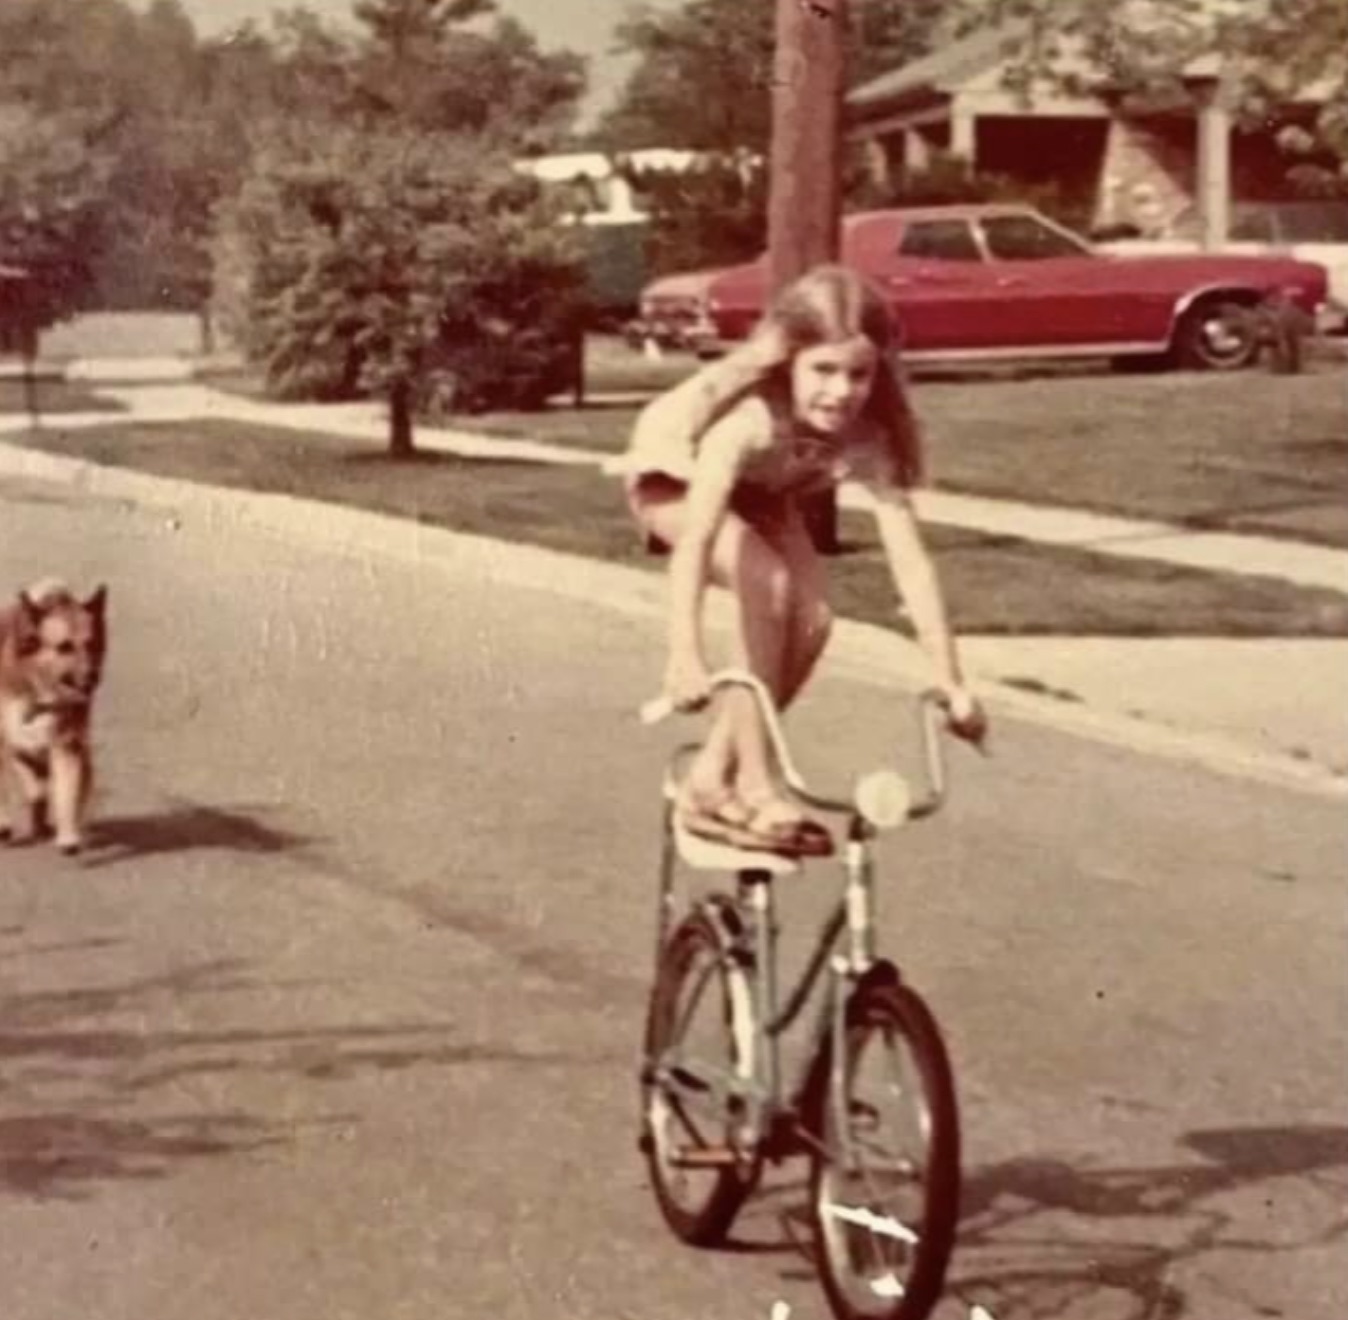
(818, 622)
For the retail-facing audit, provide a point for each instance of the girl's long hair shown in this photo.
(831, 303)
(828, 304)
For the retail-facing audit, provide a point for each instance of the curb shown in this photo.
(862, 651)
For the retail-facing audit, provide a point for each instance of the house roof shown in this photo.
(943, 70)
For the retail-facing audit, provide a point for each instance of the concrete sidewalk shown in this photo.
(1276, 709)
(1295, 562)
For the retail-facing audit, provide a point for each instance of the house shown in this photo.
(597, 190)
(598, 195)
(1168, 170)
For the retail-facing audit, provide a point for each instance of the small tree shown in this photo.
(712, 214)
(52, 187)
(393, 262)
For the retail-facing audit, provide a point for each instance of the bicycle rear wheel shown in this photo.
(885, 1190)
(699, 1038)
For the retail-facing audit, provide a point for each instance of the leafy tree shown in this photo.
(439, 65)
(704, 72)
(52, 182)
(1269, 52)
(713, 214)
(703, 82)
(391, 261)
(59, 119)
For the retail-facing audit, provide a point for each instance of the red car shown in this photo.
(986, 282)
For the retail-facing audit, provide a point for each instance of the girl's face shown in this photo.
(830, 383)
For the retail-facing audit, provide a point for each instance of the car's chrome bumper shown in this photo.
(674, 331)
(1331, 319)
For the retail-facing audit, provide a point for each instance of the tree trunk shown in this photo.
(805, 196)
(400, 443)
(29, 343)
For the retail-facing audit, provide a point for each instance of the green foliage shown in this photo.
(1269, 54)
(712, 214)
(947, 180)
(394, 262)
(52, 184)
(423, 62)
(704, 73)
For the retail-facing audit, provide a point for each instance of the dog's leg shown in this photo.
(69, 766)
(28, 780)
(8, 790)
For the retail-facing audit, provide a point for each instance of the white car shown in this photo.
(1310, 230)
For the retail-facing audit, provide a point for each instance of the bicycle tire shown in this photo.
(705, 1221)
(905, 1278)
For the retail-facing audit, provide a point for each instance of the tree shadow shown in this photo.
(1034, 1243)
(52, 1156)
(440, 458)
(186, 827)
(77, 1077)
(1044, 1239)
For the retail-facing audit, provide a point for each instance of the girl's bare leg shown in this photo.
(811, 619)
(736, 760)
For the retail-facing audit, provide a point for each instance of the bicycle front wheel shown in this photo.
(885, 1187)
(699, 1064)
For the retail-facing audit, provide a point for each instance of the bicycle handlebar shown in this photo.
(934, 706)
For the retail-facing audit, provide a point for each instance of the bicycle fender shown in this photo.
(881, 974)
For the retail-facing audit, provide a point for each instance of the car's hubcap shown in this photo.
(1225, 335)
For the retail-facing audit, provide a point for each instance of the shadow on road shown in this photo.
(183, 827)
(1034, 1242)
(90, 1094)
(1042, 1239)
(52, 1156)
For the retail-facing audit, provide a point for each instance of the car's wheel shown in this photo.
(1217, 334)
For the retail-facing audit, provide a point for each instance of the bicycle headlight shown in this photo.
(884, 799)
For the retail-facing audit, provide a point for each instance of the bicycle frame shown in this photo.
(775, 1118)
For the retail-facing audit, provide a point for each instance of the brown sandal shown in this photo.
(730, 822)
(780, 819)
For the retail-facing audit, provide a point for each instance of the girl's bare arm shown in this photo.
(916, 582)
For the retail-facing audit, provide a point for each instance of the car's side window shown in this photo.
(939, 240)
(1023, 238)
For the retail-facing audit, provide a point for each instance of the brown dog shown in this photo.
(51, 660)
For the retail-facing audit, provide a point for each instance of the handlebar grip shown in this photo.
(656, 709)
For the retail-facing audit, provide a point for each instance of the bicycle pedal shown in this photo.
(705, 1157)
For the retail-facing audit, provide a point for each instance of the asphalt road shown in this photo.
(338, 1016)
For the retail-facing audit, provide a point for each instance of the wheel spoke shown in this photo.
(699, 1177)
(885, 1193)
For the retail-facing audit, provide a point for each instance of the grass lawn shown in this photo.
(994, 585)
(54, 397)
(1250, 452)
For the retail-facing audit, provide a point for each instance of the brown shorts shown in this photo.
(758, 507)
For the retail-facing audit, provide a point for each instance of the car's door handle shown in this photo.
(1011, 282)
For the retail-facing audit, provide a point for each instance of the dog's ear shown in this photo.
(28, 624)
(97, 603)
(30, 612)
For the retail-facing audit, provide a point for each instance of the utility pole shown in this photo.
(805, 169)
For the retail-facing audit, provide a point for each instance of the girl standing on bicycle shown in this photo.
(715, 473)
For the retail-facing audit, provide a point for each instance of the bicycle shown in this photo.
(714, 1106)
